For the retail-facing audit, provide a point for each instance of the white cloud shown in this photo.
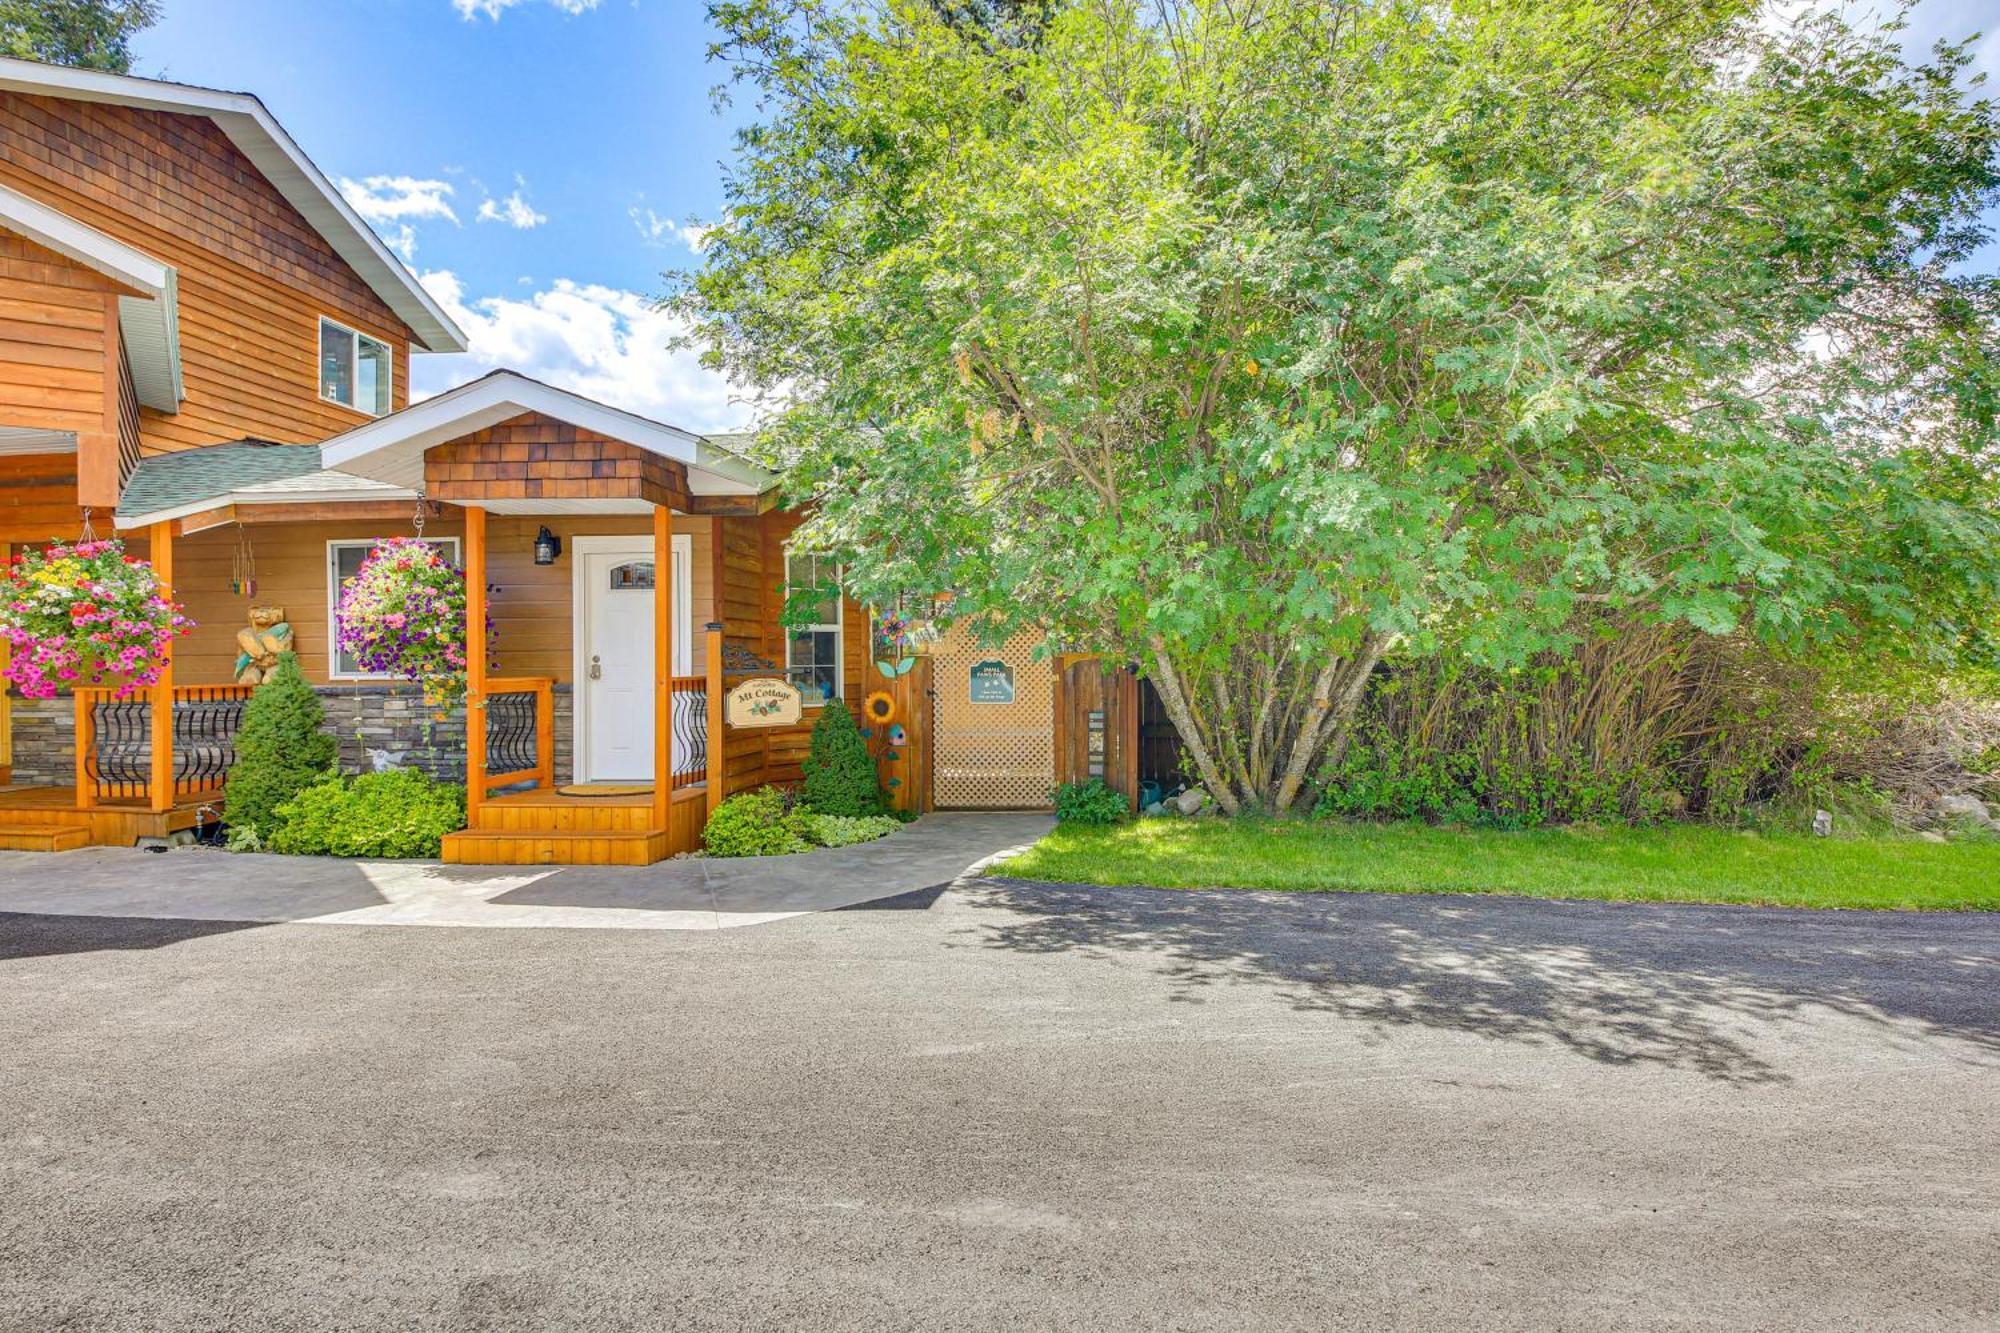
(657, 231)
(403, 241)
(602, 342)
(403, 199)
(493, 9)
(514, 210)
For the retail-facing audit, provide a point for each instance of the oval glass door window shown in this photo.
(632, 574)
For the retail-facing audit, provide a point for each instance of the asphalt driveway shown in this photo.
(1008, 1106)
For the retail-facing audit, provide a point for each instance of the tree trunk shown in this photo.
(1332, 712)
(1175, 699)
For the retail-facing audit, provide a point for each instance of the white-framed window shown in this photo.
(812, 649)
(343, 562)
(355, 370)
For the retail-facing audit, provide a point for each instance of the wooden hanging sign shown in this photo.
(764, 701)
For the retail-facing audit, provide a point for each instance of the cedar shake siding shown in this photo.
(254, 276)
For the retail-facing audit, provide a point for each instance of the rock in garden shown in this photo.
(1156, 808)
(1965, 807)
(1822, 823)
(1191, 801)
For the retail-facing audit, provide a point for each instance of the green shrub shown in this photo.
(395, 814)
(756, 823)
(1090, 802)
(840, 775)
(846, 830)
(281, 749)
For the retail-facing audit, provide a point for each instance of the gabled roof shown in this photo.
(261, 139)
(148, 317)
(391, 449)
(167, 486)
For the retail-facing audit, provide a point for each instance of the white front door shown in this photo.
(614, 668)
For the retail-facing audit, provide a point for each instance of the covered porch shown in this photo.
(625, 501)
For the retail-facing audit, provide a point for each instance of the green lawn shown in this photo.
(1677, 864)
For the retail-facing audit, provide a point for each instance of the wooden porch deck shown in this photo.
(45, 819)
(546, 827)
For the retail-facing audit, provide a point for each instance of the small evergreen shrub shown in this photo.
(399, 813)
(1091, 802)
(847, 830)
(756, 823)
(840, 775)
(281, 749)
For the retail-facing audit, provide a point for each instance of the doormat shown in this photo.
(606, 789)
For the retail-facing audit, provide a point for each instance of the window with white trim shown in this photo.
(343, 562)
(355, 370)
(812, 648)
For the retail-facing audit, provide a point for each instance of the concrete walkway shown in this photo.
(205, 884)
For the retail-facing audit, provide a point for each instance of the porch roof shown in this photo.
(391, 450)
(169, 486)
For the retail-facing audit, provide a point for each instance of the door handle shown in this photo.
(596, 668)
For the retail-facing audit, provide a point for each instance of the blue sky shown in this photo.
(540, 162)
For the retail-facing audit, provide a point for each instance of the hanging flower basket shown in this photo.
(82, 615)
(404, 613)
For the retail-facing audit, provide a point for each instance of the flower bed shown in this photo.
(85, 614)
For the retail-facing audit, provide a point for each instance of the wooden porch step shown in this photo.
(491, 847)
(575, 818)
(43, 837)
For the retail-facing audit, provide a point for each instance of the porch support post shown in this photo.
(475, 663)
(663, 664)
(160, 789)
(715, 734)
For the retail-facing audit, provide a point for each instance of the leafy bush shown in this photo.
(280, 749)
(402, 812)
(840, 775)
(846, 830)
(1090, 802)
(756, 823)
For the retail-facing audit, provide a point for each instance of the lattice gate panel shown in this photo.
(991, 755)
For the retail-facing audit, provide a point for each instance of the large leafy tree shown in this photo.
(1261, 340)
(94, 34)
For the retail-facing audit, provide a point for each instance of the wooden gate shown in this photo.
(1097, 724)
(991, 744)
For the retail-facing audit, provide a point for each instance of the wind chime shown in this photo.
(243, 565)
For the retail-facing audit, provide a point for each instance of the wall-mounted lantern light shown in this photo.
(547, 546)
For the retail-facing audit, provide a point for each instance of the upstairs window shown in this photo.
(812, 651)
(354, 369)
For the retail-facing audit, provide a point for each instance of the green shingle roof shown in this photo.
(192, 475)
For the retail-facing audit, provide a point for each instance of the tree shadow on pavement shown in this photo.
(40, 935)
(1670, 985)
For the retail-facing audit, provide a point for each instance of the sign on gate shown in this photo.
(763, 701)
(992, 683)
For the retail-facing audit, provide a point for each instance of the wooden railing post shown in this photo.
(86, 744)
(475, 663)
(160, 788)
(545, 735)
(715, 692)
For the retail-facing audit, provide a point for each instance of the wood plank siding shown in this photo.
(58, 322)
(254, 276)
(38, 499)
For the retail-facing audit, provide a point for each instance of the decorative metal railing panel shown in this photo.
(118, 750)
(114, 739)
(206, 720)
(513, 741)
(690, 730)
